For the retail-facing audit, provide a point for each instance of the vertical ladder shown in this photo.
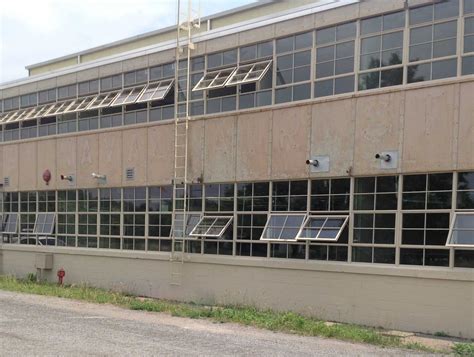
(184, 46)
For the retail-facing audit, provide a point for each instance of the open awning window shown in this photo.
(44, 223)
(102, 100)
(38, 112)
(461, 233)
(211, 226)
(282, 227)
(214, 79)
(79, 104)
(156, 91)
(128, 96)
(323, 228)
(10, 117)
(249, 73)
(10, 223)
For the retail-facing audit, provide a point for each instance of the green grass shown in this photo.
(288, 322)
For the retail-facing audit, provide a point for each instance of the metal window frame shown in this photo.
(153, 88)
(212, 225)
(248, 69)
(127, 94)
(188, 215)
(286, 214)
(213, 77)
(103, 100)
(37, 224)
(327, 217)
(452, 230)
(17, 216)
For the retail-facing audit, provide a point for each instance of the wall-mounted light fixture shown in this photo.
(99, 176)
(388, 159)
(318, 163)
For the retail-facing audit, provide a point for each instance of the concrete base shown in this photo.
(418, 299)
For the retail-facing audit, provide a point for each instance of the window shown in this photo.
(219, 197)
(47, 126)
(468, 43)
(112, 82)
(47, 96)
(249, 73)
(257, 51)
(216, 79)
(162, 71)
(10, 224)
(110, 121)
(80, 104)
(67, 123)
(102, 100)
(36, 112)
(465, 190)
(28, 100)
(382, 46)
(156, 91)
(44, 223)
(335, 60)
(67, 91)
(282, 227)
(461, 233)
(46, 201)
(11, 103)
(322, 228)
(29, 129)
(376, 193)
(330, 194)
(89, 87)
(136, 117)
(253, 196)
(192, 219)
(289, 195)
(135, 77)
(432, 37)
(432, 191)
(58, 108)
(211, 226)
(128, 96)
(222, 58)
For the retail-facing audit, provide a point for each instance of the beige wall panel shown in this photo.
(87, 160)
(160, 154)
(332, 134)
(134, 146)
(110, 69)
(299, 24)
(66, 158)
(219, 151)
(161, 57)
(261, 34)
(135, 63)
(428, 129)
(466, 127)
(222, 43)
(290, 142)
(46, 84)
(67, 79)
(10, 92)
(110, 157)
(373, 7)
(253, 146)
(10, 165)
(377, 129)
(27, 166)
(88, 74)
(335, 16)
(46, 158)
(195, 149)
(54, 66)
(28, 88)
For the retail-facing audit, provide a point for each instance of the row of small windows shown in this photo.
(432, 48)
(366, 219)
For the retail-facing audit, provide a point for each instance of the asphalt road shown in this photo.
(40, 326)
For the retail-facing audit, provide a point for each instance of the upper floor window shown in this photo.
(89, 87)
(67, 91)
(139, 76)
(28, 100)
(111, 82)
(47, 96)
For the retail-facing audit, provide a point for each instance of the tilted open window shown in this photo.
(461, 233)
(79, 104)
(214, 79)
(156, 91)
(58, 108)
(102, 100)
(38, 112)
(44, 223)
(10, 223)
(249, 73)
(211, 226)
(192, 219)
(282, 227)
(128, 96)
(10, 117)
(322, 228)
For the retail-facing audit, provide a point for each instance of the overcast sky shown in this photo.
(33, 31)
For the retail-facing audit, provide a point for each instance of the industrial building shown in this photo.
(313, 156)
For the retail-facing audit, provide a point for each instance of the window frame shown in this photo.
(216, 218)
(327, 217)
(452, 229)
(272, 214)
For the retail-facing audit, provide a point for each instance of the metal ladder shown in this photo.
(184, 46)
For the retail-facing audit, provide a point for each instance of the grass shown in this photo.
(288, 322)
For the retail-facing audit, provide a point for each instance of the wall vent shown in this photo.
(130, 174)
(6, 181)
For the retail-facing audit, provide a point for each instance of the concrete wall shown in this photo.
(431, 127)
(405, 299)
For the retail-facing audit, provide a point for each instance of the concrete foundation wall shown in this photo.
(403, 298)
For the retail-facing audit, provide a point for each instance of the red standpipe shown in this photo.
(61, 275)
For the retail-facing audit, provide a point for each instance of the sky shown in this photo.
(33, 31)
